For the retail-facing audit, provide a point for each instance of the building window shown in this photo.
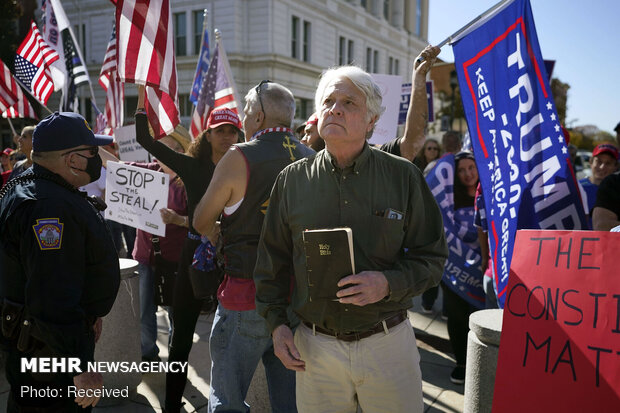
(131, 102)
(375, 61)
(364, 3)
(198, 27)
(295, 37)
(185, 106)
(418, 17)
(369, 60)
(303, 108)
(393, 66)
(350, 53)
(306, 44)
(386, 10)
(180, 34)
(346, 51)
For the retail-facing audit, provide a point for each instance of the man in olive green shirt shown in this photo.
(358, 349)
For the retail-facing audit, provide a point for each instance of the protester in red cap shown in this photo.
(5, 161)
(604, 163)
(311, 134)
(196, 170)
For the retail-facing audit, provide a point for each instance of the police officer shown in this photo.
(59, 269)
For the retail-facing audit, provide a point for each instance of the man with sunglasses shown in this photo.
(59, 270)
(239, 191)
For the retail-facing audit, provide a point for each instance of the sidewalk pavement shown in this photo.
(440, 395)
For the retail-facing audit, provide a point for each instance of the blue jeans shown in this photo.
(148, 318)
(239, 339)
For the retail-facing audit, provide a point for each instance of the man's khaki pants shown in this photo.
(380, 373)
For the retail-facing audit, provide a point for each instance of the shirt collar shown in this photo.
(269, 130)
(358, 163)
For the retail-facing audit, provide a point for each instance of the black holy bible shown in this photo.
(329, 257)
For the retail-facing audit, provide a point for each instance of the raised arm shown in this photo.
(417, 113)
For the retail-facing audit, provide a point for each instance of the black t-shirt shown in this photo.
(608, 195)
(392, 147)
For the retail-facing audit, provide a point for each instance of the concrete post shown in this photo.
(482, 352)
(120, 338)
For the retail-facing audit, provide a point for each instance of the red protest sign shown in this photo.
(560, 344)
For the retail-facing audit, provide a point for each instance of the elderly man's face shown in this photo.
(343, 115)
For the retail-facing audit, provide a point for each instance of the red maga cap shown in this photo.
(221, 117)
(605, 148)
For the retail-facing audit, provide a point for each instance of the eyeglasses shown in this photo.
(93, 150)
(257, 89)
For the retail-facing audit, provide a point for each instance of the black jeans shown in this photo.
(185, 312)
(458, 311)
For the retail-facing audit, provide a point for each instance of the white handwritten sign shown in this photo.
(129, 150)
(387, 125)
(135, 195)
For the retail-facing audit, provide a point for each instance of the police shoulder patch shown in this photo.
(48, 232)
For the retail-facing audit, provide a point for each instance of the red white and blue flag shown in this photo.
(145, 56)
(32, 63)
(522, 158)
(115, 90)
(8, 95)
(10, 91)
(217, 91)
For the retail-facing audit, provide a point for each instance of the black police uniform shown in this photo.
(59, 271)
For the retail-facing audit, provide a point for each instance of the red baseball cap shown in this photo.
(221, 117)
(606, 148)
(312, 120)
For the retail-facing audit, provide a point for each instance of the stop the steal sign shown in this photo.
(560, 343)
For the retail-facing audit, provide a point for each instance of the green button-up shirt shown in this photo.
(313, 193)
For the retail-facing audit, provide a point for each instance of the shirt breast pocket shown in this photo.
(384, 237)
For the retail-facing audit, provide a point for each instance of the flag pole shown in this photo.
(456, 34)
(11, 125)
(27, 90)
(218, 38)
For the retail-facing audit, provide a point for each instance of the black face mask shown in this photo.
(93, 167)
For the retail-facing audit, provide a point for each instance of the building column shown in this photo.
(377, 8)
(398, 13)
(409, 16)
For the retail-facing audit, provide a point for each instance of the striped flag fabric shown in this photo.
(11, 91)
(217, 91)
(32, 63)
(115, 90)
(203, 63)
(145, 55)
(7, 93)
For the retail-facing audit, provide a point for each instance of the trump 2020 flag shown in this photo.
(522, 159)
(462, 272)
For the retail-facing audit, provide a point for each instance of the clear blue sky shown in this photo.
(582, 37)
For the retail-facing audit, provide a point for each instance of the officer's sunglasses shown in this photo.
(257, 89)
(93, 150)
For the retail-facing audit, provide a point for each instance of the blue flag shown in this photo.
(201, 68)
(462, 272)
(522, 158)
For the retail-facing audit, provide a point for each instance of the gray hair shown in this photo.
(361, 79)
(278, 102)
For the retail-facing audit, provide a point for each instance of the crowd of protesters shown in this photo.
(239, 190)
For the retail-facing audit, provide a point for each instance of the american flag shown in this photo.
(217, 92)
(115, 90)
(145, 55)
(7, 93)
(32, 64)
(20, 108)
